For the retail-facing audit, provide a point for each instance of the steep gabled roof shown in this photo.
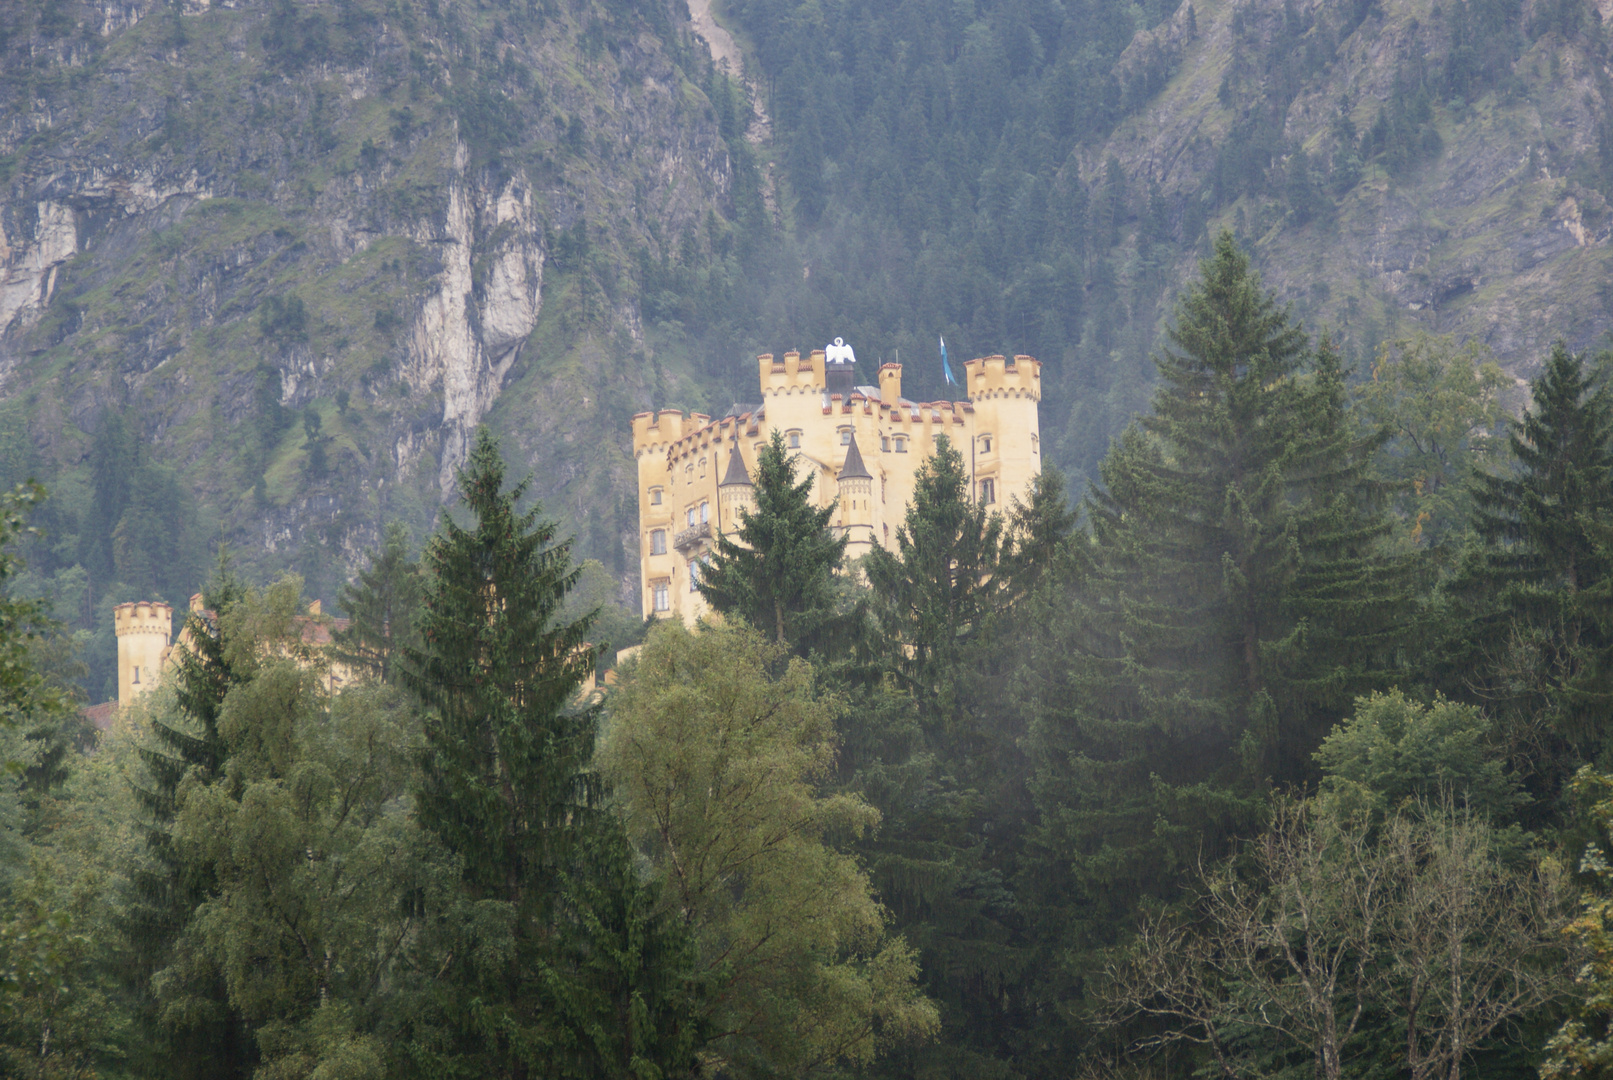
(736, 472)
(854, 469)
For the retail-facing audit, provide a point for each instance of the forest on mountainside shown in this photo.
(237, 240)
(1284, 751)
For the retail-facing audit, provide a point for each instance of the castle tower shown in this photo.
(735, 492)
(856, 506)
(142, 630)
(1007, 453)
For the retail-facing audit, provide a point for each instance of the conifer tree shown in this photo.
(1230, 600)
(382, 606)
(1537, 630)
(779, 575)
(555, 941)
(936, 591)
(168, 887)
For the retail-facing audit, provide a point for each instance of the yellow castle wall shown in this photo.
(142, 631)
(683, 458)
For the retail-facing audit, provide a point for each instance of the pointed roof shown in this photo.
(736, 472)
(854, 469)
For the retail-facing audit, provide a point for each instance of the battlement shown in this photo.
(790, 375)
(143, 617)
(659, 430)
(998, 376)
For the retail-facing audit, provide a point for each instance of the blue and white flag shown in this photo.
(946, 369)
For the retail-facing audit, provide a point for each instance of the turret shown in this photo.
(735, 492)
(143, 631)
(890, 384)
(856, 506)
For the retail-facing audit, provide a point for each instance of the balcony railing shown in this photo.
(693, 535)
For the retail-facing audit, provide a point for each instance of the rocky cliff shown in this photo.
(312, 246)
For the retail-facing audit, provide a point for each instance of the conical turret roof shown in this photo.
(736, 473)
(854, 469)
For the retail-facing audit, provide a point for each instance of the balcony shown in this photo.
(692, 536)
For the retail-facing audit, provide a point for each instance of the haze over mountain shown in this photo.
(265, 266)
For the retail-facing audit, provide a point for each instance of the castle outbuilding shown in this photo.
(862, 444)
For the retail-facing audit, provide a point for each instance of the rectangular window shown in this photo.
(658, 542)
(705, 512)
(689, 516)
(988, 491)
(663, 601)
(794, 439)
(845, 436)
(885, 444)
(901, 445)
(694, 575)
(655, 496)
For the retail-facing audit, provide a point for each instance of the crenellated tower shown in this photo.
(1006, 452)
(143, 631)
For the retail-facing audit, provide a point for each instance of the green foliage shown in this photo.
(1441, 407)
(777, 575)
(1395, 755)
(937, 589)
(1532, 627)
(1232, 595)
(716, 746)
(383, 608)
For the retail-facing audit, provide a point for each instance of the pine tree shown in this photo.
(169, 887)
(779, 575)
(382, 607)
(1230, 600)
(936, 591)
(551, 970)
(1537, 627)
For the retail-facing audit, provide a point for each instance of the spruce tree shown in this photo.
(168, 887)
(779, 575)
(548, 971)
(382, 608)
(1231, 598)
(1537, 629)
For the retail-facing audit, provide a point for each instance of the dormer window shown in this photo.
(655, 496)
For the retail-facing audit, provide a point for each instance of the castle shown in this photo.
(145, 653)
(863, 446)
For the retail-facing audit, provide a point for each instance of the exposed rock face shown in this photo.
(209, 210)
(1493, 237)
